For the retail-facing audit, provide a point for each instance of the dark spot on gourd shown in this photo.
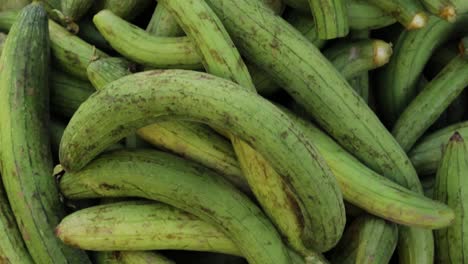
(107, 186)
(284, 135)
(207, 210)
(294, 205)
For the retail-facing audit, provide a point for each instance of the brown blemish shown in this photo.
(107, 186)
(216, 56)
(284, 135)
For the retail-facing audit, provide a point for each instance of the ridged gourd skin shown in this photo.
(160, 176)
(26, 157)
(431, 102)
(413, 49)
(361, 14)
(305, 229)
(427, 153)
(331, 18)
(451, 188)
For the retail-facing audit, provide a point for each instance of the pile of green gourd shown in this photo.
(233, 131)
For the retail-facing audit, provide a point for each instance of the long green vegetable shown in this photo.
(301, 69)
(190, 140)
(410, 13)
(299, 173)
(163, 24)
(427, 154)
(365, 188)
(166, 178)
(12, 248)
(348, 170)
(141, 47)
(431, 102)
(312, 81)
(69, 53)
(450, 188)
(367, 240)
(356, 57)
(142, 225)
(26, 157)
(298, 222)
(411, 53)
(361, 14)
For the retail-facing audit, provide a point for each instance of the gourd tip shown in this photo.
(382, 52)
(456, 137)
(419, 21)
(448, 13)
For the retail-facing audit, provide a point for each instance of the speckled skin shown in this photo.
(12, 248)
(26, 158)
(300, 223)
(194, 141)
(312, 81)
(372, 192)
(357, 182)
(142, 225)
(160, 176)
(186, 80)
(451, 188)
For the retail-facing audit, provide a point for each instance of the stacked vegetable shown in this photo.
(266, 131)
